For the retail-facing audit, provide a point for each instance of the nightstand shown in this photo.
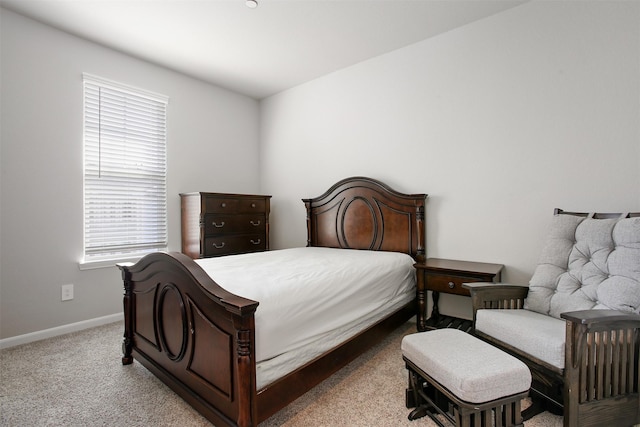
(446, 275)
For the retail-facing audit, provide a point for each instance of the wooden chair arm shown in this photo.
(603, 320)
(486, 295)
(496, 295)
(506, 287)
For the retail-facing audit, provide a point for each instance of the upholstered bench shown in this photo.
(464, 379)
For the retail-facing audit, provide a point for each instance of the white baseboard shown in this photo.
(60, 330)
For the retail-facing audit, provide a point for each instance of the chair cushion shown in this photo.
(537, 334)
(471, 369)
(586, 264)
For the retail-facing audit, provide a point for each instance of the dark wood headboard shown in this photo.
(363, 213)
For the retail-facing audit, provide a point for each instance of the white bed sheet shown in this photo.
(312, 298)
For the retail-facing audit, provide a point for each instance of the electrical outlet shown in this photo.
(67, 292)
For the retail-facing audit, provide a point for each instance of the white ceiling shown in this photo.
(262, 51)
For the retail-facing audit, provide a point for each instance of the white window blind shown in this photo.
(125, 168)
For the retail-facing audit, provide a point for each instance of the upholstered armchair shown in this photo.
(577, 324)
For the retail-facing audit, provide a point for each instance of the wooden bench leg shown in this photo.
(411, 395)
(502, 412)
(413, 398)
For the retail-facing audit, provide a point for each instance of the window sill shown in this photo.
(105, 263)
(111, 262)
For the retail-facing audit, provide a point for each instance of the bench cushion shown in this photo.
(471, 369)
(537, 334)
(586, 264)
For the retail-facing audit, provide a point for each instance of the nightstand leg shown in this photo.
(422, 303)
(435, 313)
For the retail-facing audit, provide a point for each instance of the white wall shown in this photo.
(499, 122)
(212, 133)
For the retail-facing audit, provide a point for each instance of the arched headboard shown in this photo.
(363, 213)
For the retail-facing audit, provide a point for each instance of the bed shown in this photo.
(207, 338)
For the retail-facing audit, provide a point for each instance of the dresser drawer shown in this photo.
(235, 244)
(234, 205)
(447, 284)
(234, 224)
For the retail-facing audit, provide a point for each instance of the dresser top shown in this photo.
(203, 193)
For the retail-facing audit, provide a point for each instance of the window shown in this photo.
(125, 170)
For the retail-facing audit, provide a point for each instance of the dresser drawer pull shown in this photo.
(451, 285)
(220, 246)
(223, 205)
(255, 224)
(255, 242)
(215, 224)
(253, 205)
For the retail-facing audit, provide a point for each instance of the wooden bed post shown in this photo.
(421, 250)
(245, 359)
(127, 340)
(246, 415)
(307, 205)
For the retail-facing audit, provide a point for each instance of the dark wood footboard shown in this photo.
(195, 336)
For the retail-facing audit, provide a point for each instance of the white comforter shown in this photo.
(307, 294)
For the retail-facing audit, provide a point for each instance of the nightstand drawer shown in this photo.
(447, 284)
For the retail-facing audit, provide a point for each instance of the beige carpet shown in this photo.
(78, 380)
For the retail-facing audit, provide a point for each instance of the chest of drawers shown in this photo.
(215, 224)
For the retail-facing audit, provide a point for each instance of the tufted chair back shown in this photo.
(588, 263)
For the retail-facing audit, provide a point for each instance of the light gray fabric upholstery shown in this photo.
(539, 335)
(471, 369)
(586, 264)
